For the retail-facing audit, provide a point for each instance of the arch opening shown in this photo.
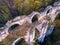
(21, 42)
(48, 11)
(13, 27)
(35, 18)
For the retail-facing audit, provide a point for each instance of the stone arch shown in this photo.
(48, 9)
(13, 27)
(34, 18)
(19, 41)
(36, 15)
(32, 15)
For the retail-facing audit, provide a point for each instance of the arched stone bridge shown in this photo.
(49, 12)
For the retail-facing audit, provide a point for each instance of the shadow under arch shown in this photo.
(13, 27)
(21, 42)
(35, 18)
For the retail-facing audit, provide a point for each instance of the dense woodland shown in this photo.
(9, 9)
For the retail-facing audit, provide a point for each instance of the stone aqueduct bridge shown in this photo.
(49, 12)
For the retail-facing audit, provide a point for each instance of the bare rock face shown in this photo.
(29, 24)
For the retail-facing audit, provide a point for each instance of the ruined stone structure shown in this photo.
(50, 12)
